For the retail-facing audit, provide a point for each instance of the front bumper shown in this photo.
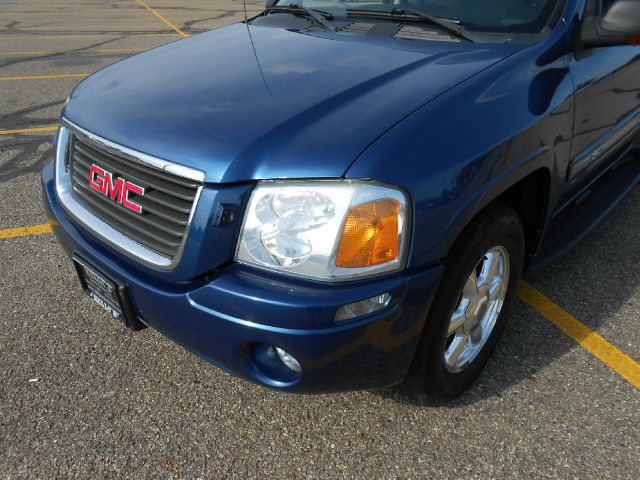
(232, 317)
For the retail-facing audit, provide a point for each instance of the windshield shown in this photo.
(517, 16)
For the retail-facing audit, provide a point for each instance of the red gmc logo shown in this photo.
(102, 181)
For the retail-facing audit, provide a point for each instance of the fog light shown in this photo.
(289, 360)
(363, 307)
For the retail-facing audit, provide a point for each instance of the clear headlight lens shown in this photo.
(327, 230)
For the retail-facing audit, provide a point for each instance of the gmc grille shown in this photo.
(167, 202)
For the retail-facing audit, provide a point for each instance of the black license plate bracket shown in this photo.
(108, 293)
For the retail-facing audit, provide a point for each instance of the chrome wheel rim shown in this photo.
(478, 309)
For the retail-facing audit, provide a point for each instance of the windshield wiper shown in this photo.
(452, 25)
(318, 16)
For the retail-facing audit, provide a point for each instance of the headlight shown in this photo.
(326, 230)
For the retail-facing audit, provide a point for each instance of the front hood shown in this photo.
(246, 103)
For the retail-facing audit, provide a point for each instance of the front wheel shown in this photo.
(479, 286)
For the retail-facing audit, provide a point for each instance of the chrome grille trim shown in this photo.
(103, 230)
(168, 167)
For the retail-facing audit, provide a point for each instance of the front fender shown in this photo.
(461, 151)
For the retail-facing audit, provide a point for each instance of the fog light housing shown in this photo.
(289, 360)
(363, 307)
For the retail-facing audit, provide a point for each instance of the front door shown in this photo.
(607, 108)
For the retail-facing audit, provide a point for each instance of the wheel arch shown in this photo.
(530, 198)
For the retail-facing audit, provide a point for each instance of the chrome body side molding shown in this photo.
(623, 132)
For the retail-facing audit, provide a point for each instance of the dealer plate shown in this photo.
(102, 289)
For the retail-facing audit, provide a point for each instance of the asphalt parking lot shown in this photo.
(81, 397)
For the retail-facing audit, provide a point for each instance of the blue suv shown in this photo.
(338, 195)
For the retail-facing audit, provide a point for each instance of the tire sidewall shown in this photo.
(500, 227)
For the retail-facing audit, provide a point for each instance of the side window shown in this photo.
(591, 7)
(606, 5)
(598, 7)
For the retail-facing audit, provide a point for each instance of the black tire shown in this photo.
(429, 380)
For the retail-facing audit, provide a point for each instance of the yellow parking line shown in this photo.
(49, 128)
(612, 357)
(54, 52)
(600, 348)
(88, 35)
(87, 29)
(25, 231)
(45, 77)
(73, 20)
(162, 18)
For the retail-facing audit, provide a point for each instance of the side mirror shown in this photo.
(619, 26)
(271, 3)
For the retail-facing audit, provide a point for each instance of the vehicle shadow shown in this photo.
(592, 282)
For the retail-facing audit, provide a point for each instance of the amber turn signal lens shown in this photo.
(371, 235)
